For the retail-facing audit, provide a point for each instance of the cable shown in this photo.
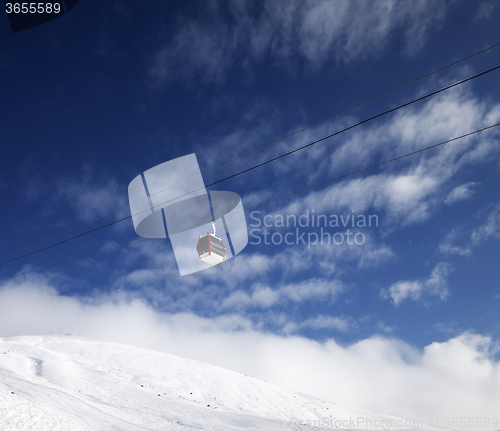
(78, 258)
(66, 240)
(272, 200)
(268, 161)
(372, 167)
(355, 125)
(357, 106)
(432, 93)
(272, 143)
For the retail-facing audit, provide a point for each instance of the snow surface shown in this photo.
(71, 383)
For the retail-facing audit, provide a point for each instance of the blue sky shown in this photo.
(94, 98)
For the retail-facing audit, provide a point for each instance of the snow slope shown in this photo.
(71, 383)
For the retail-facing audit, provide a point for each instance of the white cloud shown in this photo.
(459, 241)
(408, 191)
(489, 229)
(264, 296)
(328, 260)
(402, 290)
(286, 31)
(91, 199)
(327, 290)
(485, 10)
(87, 193)
(434, 285)
(339, 323)
(447, 328)
(448, 245)
(385, 328)
(404, 198)
(245, 284)
(460, 193)
(458, 377)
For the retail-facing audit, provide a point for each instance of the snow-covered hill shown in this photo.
(71, 383)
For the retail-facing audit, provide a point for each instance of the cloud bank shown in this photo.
(458, 377)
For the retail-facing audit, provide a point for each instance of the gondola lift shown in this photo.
(211, 248)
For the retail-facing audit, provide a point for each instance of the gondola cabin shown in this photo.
(211, 249)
